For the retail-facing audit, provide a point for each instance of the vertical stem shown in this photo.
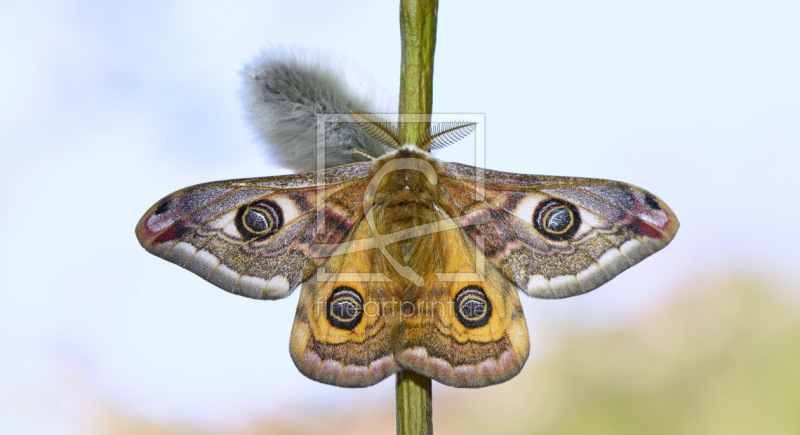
(418, 36)
(414, 404)
(418, 39)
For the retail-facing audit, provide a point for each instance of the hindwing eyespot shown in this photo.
(473, 309)
(345, 308)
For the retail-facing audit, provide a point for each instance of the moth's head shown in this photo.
(439, 135)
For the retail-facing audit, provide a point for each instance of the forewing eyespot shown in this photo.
(556, 220)
(259, 219)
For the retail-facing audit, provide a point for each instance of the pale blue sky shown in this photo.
(106, 107)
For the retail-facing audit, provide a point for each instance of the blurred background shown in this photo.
(105, 107)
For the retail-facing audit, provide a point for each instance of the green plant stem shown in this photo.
(414, 404)
(418, 39)
(418, 36)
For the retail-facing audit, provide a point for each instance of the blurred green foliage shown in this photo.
(723, 357)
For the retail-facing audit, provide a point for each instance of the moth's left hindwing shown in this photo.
(347, 316)
(257, 237)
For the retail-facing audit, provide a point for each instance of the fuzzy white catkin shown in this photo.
(283, 93)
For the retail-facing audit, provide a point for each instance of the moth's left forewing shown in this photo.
(556, 236)
(256, 237)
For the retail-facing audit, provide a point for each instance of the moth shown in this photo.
(405, 261)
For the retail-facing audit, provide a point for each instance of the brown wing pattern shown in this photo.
(466, 328)
(359, 320)
(257, 237)
(556, 236)
(427, 281)
(347, 316)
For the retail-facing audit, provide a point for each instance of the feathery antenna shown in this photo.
(378, 128)
(443, 134)
(440, 135)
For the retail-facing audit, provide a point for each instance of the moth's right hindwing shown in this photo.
(257, 237)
